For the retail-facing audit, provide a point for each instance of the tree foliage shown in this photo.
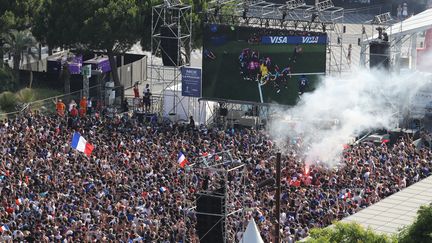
(26, 95)
(7, 79)
(17, 14)
(17, 42)
(107, 25)
(421, 230)
(347, 233)
(8, 101)
(59, 23)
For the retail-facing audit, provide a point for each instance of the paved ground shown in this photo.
(396, 211)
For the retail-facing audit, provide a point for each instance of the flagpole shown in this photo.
(278, 191)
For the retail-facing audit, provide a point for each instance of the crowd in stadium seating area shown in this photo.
(131, 187)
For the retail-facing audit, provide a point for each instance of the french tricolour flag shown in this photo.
(163, 189)
(19, 201)
(4, 228)
(80, 144)
(182, 161)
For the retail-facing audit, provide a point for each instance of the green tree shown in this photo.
(26, 95)
(111, 27)
(347, 233)
(421, 230)
(7, 79)
(17, 42)
(8, 101)
(18, 15)
(145, 21)
(107, 25)
(59, 23)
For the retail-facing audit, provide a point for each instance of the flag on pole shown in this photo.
(182, 161)
(80, 144)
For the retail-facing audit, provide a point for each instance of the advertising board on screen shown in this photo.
(261, 65)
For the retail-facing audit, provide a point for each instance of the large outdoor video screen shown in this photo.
(261, 65)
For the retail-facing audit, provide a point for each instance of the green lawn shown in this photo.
(222, 80)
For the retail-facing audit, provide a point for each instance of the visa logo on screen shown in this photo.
(278, 39)
(310, 39)
(293, 40)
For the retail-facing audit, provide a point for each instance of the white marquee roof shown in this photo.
(413, 24)
(251, 235)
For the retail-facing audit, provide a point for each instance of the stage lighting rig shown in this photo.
(321, 6)
(382, 18)
(292, 4)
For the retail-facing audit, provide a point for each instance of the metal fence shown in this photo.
(48, 105)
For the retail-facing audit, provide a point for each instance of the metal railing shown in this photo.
(156, 104)
(47, 105)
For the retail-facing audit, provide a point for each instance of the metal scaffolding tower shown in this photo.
(170, 37)
(221, 171)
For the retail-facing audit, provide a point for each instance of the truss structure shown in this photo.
(384, 23)
(176, 18)
(292, 10)
(222, 170)
(293, 15)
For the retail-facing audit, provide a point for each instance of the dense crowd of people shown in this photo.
(131, 188)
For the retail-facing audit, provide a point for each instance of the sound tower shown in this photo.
(169, 45)
(210, 228)
(379, 54)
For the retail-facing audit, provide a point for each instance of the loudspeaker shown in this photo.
(379, 54)
(169, 45)
(210, 227)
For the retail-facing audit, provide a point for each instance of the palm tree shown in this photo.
(17, 42)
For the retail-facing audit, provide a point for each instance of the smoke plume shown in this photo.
(342, 107)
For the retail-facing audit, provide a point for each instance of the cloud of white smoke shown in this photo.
(342, 107)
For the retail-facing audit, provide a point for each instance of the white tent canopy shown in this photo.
(251, 235)
(414, 24)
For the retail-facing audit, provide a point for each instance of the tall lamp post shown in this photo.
(278, 191)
